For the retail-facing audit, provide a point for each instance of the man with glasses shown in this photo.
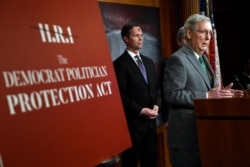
(188, 76)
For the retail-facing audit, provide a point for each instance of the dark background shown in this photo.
(230, 18)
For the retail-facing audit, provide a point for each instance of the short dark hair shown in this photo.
(127, 27)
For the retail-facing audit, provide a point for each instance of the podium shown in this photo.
(223, 127)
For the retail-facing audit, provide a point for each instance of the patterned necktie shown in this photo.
(141, 67)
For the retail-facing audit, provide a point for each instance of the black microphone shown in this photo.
(238, 81)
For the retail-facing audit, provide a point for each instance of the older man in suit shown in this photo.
(138, 91)
(188, 76)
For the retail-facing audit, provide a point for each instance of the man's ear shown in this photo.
(188, 34)
(125, 38)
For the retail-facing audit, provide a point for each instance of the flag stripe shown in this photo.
(213, 53)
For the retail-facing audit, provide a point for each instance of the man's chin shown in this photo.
(204, 49)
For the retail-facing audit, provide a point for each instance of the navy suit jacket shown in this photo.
(136, 93)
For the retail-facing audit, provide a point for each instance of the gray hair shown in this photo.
(181, 34)
(192, 21)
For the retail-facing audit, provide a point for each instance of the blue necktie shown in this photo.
(141, 67)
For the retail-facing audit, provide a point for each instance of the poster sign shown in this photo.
(60, 103)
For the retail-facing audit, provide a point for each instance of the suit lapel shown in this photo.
(135, 68)
(210, 70)
(195, 62)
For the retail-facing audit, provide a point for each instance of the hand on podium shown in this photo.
(227, 92)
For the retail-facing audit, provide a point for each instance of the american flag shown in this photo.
(212, 53)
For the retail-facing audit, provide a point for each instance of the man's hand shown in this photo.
(227, 92)
(150, 113)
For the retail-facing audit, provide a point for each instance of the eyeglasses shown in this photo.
(204, 32)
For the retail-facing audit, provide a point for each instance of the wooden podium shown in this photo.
(223, 127)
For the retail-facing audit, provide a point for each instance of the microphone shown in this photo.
(238, 81)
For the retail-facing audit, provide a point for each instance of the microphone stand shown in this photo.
(241, 87)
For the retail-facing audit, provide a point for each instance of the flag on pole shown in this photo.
(206, 9)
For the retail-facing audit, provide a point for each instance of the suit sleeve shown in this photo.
(122, 74)
(182, 82)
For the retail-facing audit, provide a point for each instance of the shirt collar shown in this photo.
(132, 54)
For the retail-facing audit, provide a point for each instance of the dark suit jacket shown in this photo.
(136, 93)
(184, 81)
